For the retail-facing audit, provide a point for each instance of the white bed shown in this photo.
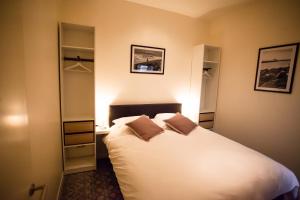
(202, 165)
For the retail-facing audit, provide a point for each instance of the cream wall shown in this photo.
(118, 25)
(267, 122)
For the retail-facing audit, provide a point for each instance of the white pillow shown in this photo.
(160, 123)
(124, 120)
(164, 116)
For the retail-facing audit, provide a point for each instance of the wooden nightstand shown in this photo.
(102, 131)
(206, 120)
(101, 150)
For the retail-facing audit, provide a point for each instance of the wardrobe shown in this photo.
(205, 81)
(77, 96)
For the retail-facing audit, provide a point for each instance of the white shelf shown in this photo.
(78, 145)
(102, 131)
(67, 119)
(211, 62)
(207, 111)
(80, 163)
(78, 27)
(67, 47)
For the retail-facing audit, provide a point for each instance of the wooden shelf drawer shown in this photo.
(206, 116)
(79, 126)
(80, 138)
(80, 158)
(207, 124)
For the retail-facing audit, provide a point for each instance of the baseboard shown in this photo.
(60, 186)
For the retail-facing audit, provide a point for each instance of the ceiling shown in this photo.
(191, 8)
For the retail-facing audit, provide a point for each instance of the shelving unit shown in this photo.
(85, 163)
(79, 158)
(77, 97)
(209, 86)
(65, 47)
(206, 65)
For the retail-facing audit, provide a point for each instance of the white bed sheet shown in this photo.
(200, 166)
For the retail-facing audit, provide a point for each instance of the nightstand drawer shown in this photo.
(206, 116)
(80, 138)
(77, 127)
(207, 124)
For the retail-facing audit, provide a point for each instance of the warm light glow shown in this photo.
(15, 120)
(103, 100)
(190, 105)
(182, 97)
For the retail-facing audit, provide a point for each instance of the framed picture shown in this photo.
(276, 67)
(147, 60)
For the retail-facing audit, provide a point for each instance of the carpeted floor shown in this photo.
(93, 185)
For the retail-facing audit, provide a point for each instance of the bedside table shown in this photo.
(101, 151)
(206, 119)
(102, 131)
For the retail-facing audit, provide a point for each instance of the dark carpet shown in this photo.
(92, 185)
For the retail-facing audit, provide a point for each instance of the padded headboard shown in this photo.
(117, 111)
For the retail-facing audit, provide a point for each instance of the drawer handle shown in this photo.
(80, 146)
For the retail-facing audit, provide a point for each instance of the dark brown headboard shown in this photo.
(117, 111)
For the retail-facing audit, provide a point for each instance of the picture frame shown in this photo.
(276, 68)
(147, 60)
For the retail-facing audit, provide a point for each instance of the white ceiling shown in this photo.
(191, 8)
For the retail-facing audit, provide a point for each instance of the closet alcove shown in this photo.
(205, 80)
(77, 96)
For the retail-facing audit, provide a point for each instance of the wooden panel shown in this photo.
(80, 151)
(206, 116)
(117, 111)
(80, 126)
(79, 138)
(80, 158)
(207, 124)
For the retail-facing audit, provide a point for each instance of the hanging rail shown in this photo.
(79, 59)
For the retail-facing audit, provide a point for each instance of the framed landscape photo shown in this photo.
(276, 67)
(147, 60)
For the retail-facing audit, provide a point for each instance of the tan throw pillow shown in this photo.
(181, 124)
(144, 128)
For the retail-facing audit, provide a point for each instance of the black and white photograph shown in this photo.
(275, 68)
(149, 60)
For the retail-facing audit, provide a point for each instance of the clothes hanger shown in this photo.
(206, 74)
(77, 67)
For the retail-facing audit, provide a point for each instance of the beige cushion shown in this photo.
(144, 128)
(180, 124)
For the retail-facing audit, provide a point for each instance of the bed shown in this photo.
(200, 165)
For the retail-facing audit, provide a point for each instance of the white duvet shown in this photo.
(200, 166)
